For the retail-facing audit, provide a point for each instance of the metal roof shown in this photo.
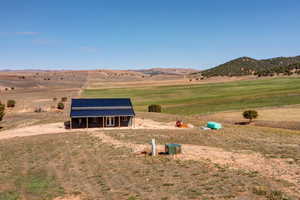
(101, 107)
(101, 102)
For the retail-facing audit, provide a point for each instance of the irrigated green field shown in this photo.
(209, 98)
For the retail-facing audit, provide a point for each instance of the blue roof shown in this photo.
(101, 107)
(101, 102)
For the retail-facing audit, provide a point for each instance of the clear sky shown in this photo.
(131, 34)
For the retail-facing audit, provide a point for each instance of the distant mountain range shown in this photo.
(238, 67)
(152, 71)
(168, 71)
(249, 66)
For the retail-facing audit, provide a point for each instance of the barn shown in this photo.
(101, 113)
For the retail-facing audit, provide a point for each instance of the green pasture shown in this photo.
(209, 98)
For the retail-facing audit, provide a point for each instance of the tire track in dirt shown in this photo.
(249, 161)
(85, 85)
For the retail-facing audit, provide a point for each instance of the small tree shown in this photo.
(60, 106)
(154, 108)
(2, 111)
(11, 103)
(250, 114)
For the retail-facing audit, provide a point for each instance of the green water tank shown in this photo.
(173, 149)
(214, 125)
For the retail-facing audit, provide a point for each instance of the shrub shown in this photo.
(11, 103)
(250, 114)
(60, 106)
(64, 99)
(154, 108)
(54, 99)
(276, 195)
(2, 111)
(259, 190)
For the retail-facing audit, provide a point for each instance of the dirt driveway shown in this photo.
(59, 128)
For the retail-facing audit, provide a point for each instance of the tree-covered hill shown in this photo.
(249, 66)
(285, 70)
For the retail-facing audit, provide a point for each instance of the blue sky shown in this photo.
(131, 34)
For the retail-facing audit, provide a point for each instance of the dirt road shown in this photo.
(59, 128)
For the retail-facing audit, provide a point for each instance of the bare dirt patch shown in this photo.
(59, 127)
(68, 198)
(277, 168)
(42, 100)
(33, 130)
(143, 123)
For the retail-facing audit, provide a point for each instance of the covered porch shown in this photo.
(102, 122)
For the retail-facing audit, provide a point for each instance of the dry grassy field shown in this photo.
(287, 117)
(259, 161)
(44, 167)
(38, 89)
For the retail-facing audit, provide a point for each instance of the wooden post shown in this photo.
(102, 122)
(153, 147)
(119, 121)
(133, 122)
(71, 123)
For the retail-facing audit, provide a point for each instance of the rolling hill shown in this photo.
(168, 71)
(249, 66)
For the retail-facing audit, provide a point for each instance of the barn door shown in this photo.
(110, 121)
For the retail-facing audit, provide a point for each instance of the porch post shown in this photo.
(133, 122)
(87, 122)
(71, 123)
(119, 121)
